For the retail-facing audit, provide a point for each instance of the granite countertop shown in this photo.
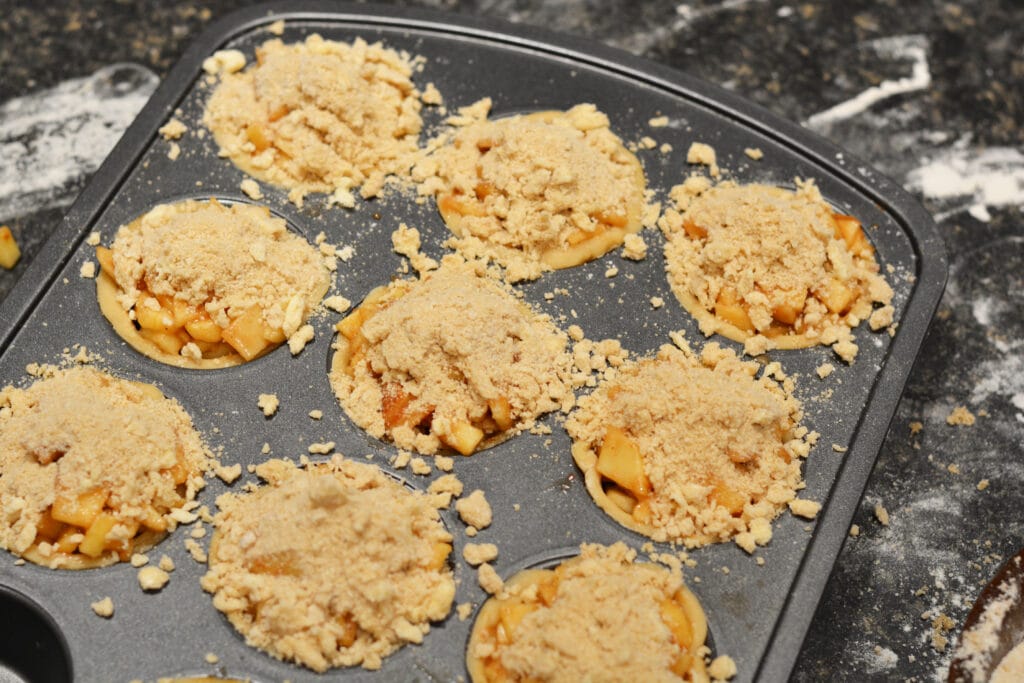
(922, 90)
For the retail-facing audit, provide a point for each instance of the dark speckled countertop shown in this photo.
(928, 92)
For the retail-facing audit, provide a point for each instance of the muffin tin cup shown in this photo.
(758, 614)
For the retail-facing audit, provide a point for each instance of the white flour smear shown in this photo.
(972, 179)
(911, 47)
(641, 42)
(51, 139)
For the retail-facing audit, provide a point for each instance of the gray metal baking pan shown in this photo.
(757, 614)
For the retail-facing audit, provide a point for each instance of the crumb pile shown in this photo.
(81, 445)
(691, 450)
(772, 268)
(334, 565)
(320, 116)
(536, 192)
(451, 359)
(222, 261)
(598, 617)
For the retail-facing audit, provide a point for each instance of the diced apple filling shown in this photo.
(171, 323)
(620, 463)
(400, 408)
(837, 296)
(513, 609)
(82, 525)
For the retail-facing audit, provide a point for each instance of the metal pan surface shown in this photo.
(757, 614)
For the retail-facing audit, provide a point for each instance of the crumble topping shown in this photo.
(691, 449)
(276, 550)
(80, 448)
(452, 359)
(319, 116)
(536, 192)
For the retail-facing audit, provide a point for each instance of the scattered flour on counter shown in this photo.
(52, 139)
(972, 178)
(910, 47)
(880, 660)
(1003, 377)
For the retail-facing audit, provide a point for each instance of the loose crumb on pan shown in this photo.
(319, 116)
(152, 579)
(276, 549)
(474, 510)
(103, 607)
(692, 476)
(477, 553)
(251, 189)
(808, 509)
(489, 579)
(535, 192)
(722, 668)
(173, 129)
(268, 404)
(754, 153)
(88, 270)
(703, 154)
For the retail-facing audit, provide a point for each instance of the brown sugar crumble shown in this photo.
(552, 624)
(772, 268)
(453, 360)
(95, 468)
(275, 553)
(201, 284)
(320, 116)
(664, 469)
(537, 192)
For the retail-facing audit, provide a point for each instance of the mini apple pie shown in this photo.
(600, 616)
(773, 268)
(320, 116)
(537, 192)
(691, 450)
(452, 360)
(203, 285)
(94, 468)
(332, 565)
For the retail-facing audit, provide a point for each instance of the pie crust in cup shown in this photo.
(600, 616)
(320, 116)
(692, 450)
(95, 468)
(538, 191)
(200, 284)
(333, 565)
(450, 361)
(773, 268)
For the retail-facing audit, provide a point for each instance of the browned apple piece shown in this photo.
(619, 460)
(245, 334)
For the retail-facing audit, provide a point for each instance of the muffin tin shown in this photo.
(542, 512)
